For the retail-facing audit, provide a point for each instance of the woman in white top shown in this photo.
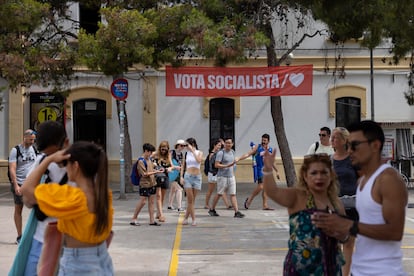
(191, 177)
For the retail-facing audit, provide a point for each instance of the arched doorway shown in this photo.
(89, 121)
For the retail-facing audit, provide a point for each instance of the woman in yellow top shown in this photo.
(84, 211)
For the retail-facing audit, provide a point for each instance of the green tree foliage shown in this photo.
(119, 43)
(372, 22)
(33, 44)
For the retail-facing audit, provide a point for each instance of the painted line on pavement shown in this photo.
(176, 249)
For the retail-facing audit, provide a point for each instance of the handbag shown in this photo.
(348, 201)
(51, 251)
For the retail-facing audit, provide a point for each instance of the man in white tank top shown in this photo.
(381, 201)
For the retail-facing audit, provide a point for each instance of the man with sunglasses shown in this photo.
(381, 202)
(21, 159)
(324, 143)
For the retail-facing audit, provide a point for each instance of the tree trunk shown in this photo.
(277, 116)
(127, 149)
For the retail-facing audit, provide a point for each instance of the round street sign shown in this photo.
(119, 89)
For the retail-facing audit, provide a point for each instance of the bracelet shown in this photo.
(267, 172)
(345, 239)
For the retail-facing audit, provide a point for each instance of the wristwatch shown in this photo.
(353, 231)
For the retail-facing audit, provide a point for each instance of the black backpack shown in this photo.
(211, 164)
(207, 164)
(213, 168)
(19, 153)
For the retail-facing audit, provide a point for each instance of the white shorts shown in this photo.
(226, 184)
(211, 178)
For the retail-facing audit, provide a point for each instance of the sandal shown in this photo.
(245, 204)
(155, 224)
(134, 223)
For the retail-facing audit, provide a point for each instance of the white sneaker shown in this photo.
(185, 222)
(194, 223)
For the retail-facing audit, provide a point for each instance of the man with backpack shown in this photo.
(51, 137)
(21, 159)
(211, 172)
(226, 181)
(324, 143)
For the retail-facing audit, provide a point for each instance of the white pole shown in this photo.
(121, 151)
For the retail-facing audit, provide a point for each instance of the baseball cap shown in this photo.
(180, 142)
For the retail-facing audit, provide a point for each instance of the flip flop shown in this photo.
(268, 209)
(134, 223)
(155, 224)
(245, 204)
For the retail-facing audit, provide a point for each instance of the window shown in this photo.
(348, 111)
(89, 18)
(221, 118)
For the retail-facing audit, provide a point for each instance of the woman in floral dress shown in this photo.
(311, 251)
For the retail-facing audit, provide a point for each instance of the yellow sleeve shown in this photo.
(61, 201)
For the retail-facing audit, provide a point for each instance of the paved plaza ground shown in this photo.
(254, 245)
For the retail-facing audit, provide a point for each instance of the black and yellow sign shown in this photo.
(46, 114)
(46, 106)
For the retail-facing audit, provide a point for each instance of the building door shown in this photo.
(221, 119)
(89, 121)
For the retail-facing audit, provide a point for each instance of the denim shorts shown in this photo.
(192, 181)
(33, 259)
(86, 261)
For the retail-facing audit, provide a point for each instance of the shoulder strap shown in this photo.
(18, 153)
(144, 161)
(316, 146)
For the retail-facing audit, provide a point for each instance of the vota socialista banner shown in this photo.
(239, 81)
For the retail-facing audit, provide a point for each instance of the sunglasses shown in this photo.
(317, 156)
(322, 135)
(164, 149)
(354, 144)
(30, 133)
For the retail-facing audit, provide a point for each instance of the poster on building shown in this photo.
(239, 81)
(388, 149)
(46, 106)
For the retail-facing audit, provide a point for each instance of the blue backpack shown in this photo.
(135, 177)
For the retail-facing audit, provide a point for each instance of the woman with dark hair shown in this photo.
(311, 250)
(84, 212)
(191, 177)
(347, 177)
